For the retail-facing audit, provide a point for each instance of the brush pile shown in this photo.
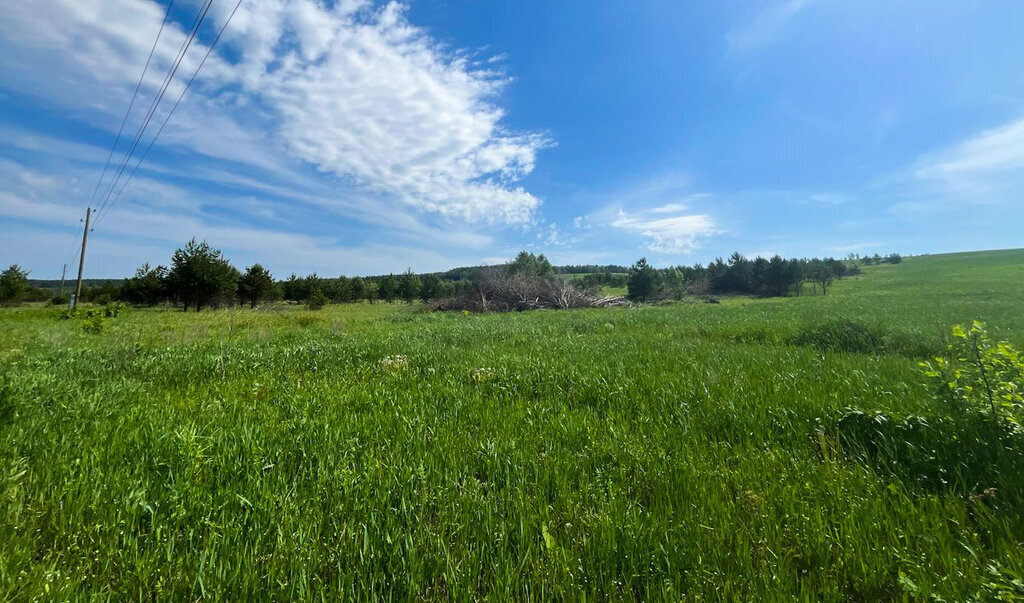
(515, 293)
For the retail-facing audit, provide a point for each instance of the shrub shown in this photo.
(102, 297)
(95, 318)
(759, 335)
(113, 309)
(94, 323)
(840, 336)
(977, 446)
(911, 345)
(976, 374)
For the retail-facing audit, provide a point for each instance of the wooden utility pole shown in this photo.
(81, 259)
(63, 271)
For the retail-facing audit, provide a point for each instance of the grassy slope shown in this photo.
(631, 452)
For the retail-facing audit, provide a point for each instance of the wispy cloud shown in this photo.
(979, 164)
(672, 235)
(766, 26)
(986, 169)
(855, 247)
(665, 188)
(656, 213)
(829, 198)
(668, 208)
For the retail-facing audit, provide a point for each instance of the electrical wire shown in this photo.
(124, 120)
(131, 104)
(200, 17)
(171, 112)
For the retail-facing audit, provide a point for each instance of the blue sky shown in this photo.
(352, 137)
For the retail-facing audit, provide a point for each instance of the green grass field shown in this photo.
(678, 451)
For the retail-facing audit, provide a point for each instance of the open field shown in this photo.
(679, 451)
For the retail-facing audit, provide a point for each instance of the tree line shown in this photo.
(765, 277)
(199, 276)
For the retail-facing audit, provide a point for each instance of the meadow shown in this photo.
(680, 451)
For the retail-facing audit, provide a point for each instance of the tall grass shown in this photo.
(657, 452)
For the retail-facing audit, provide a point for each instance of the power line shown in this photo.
(193, 30)
(74, 251)
(197, 23)
(131, 104)
(171, 112)
(72, 257)
(200, 17)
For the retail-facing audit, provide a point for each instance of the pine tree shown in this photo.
(255, 285)
(643, 281)
(201, 276)
(13, 284)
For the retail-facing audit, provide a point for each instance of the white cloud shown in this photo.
(352, 89)
(656, 209)
(672, 235)
(92, 52)
(384, 105)
(554, 237)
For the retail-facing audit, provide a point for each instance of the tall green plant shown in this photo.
(976, 373)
